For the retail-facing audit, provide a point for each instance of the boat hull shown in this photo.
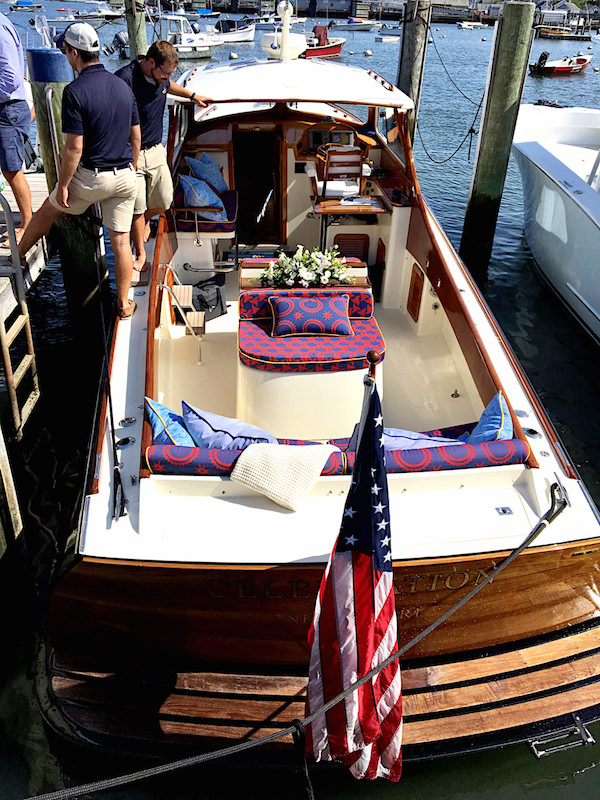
(261, 613)
(562, 225)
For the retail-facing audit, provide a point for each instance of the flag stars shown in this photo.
(378, 509)
(381, 526)
(351, 540)
(387, 557)
(378, 420)
(349, 512)
(375, 490)
(385, 541)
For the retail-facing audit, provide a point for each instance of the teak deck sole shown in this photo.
(473, 703)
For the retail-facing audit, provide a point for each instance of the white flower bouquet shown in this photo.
(307, 268)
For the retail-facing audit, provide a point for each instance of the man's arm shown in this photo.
(135, 137)
(71, 156)
(10, 66)
(179, 91)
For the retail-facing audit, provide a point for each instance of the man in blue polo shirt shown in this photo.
(15, 118)
(150, 80)
(101, 123)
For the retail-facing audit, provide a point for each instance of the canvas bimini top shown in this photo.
(302, 80)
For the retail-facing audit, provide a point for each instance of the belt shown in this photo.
(150, 146)
(97, 170)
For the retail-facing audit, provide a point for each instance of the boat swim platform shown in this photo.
(36, 259)
(529, 691)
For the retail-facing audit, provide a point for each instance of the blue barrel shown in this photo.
(48, 65)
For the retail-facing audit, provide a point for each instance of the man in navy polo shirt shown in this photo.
(15, 118)
(101, 123)
(150, 80)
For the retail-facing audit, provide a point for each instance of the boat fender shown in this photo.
(232, 56)
(368, 53)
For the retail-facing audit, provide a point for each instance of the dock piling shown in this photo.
(415, 29)
(507, 72)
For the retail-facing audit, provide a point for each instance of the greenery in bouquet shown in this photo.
(307, 268)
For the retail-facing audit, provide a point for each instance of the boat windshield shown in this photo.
(387, 125)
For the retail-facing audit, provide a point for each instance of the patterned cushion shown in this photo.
(198, 194)
(254, 303)
(185, 219)
(167, 426)
(173, 460)
(400, 439)
(258, 349)
(208, 170)
(215, 431)
(494, 424)
(310, 316)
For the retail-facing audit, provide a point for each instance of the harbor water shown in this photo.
(559, 359)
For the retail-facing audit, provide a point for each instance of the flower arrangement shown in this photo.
(307, 268)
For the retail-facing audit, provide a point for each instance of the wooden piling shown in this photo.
(415, 30)
(507, 72)
(135, 13)
(78, 239)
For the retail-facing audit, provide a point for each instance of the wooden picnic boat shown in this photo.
(567, 65)
(179, 623)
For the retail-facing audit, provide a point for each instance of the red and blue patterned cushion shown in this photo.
(174, 460)
(254, 303)
(310, 316)
(258, 349)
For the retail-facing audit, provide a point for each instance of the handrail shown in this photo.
(181, 311)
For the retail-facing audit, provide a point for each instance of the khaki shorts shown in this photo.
(115, 190)
(155, 185)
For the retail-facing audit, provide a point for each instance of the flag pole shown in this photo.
(373, 357)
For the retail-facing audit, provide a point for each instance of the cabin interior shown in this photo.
(275, 157)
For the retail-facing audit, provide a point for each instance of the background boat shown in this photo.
(567, 65)
(558, 152)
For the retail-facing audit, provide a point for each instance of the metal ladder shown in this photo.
(20, 325)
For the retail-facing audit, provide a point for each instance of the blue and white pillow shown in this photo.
(198, 194)
(223, 433)
(208, 170)
(400, 439)
(494, 424)
(310, 316)
(167, 426)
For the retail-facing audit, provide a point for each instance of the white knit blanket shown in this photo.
(284, 473)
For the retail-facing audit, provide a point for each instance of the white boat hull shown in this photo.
(561, 210)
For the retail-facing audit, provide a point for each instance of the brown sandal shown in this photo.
(126, 314)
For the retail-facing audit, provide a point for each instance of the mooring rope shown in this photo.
(557, 505)
(470, 133)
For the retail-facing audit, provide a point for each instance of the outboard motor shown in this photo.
(541, 62)
(120, 42)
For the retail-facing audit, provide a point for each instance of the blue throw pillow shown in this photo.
(494, 424)
(167, 426)
(399, 439)
(208, 169)
(310, 316)
(224, 433)
(198, 194)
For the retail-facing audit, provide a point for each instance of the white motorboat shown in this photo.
(471, 26)
(233, 30)
(558, 153)
(353, 24)
(179, 622)
(189, 43)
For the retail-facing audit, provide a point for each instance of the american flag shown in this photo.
(354, 628)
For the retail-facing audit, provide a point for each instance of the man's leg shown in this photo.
(20, 189)
(137, 237)
(39, 225)
(121, 247)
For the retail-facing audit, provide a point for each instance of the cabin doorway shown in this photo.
(256, 157)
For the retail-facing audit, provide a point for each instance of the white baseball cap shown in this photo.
(82, 36)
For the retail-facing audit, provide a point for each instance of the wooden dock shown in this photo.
(36, 259)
